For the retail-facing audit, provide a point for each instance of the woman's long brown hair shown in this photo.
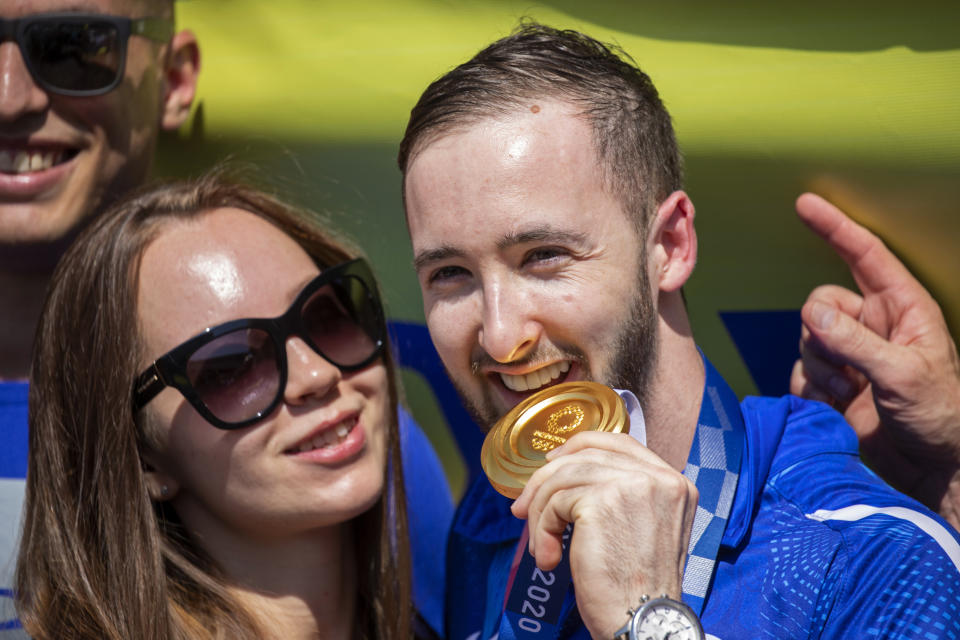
(97, 558)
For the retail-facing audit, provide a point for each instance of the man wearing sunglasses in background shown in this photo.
(85, 88)
(82, 99)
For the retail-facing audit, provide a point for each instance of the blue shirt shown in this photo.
(13, 429)
(816, 545)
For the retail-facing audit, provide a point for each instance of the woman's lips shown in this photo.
(334, 444)
(329, 437)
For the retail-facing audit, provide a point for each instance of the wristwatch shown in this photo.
(661, 619)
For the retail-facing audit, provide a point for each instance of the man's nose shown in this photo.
(510, 329)
(309, 375)
(19, 94)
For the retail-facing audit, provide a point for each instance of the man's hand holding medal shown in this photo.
(566, 455)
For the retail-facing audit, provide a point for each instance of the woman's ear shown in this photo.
(161, 486)
(672, 243)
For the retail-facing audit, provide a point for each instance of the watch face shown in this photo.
(665, 619)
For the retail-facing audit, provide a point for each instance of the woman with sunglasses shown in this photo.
(213, 432)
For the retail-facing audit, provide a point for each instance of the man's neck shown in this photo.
(676, 391)
(21, 300)
(26, 269)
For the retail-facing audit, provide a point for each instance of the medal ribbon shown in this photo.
(714, 466)
(534, 597)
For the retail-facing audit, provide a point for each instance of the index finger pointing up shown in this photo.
(873, 265)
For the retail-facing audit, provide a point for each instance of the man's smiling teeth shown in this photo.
(535, 379)
(329, 437)
(24, 161)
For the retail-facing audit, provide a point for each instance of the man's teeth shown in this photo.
(535, 379)
(27, 161)
(329, 437)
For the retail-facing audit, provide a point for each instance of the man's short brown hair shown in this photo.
(633, 134)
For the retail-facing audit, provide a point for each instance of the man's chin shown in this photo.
(485, 410)
(34, 250)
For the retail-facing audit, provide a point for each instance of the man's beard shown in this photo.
(631, 366)
(635, 355)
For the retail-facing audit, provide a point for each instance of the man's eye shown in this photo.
(446, 274)
(544, 254)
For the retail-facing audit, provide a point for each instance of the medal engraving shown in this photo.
(563, 421)
(546, 441)
(557, 424)
(517, 444)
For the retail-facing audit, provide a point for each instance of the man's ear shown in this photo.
(672, 243)
(180, 79)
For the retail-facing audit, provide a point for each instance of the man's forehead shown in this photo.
(533, 155)
(523, 115)
(546, 133)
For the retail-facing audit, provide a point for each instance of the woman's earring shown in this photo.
(164, 490)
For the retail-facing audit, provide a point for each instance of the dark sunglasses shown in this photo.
(235, 373)
(79, 54)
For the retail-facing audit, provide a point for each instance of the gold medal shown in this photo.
(517, 444)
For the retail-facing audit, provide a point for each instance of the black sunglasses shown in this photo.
(235, 373)
(79, 54)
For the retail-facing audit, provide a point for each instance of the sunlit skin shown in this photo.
(270, 516)
(527, 261)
